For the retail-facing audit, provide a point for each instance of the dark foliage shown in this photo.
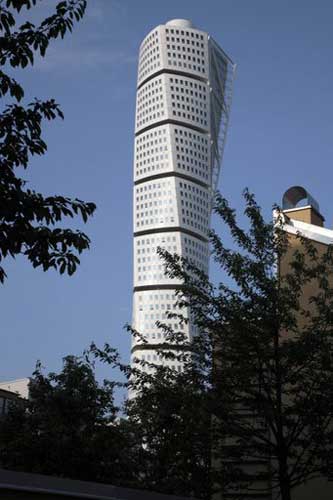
(68, 427)
(172, 419)
(266, 335)
(169, 418)
(28, 220)
(250, 413)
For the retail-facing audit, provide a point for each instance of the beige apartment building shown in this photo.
(301, 216)
(11, 390)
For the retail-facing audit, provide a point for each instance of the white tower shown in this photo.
(183, 103)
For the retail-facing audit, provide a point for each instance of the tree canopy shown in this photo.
(68, 427)
(266, 335)
(250, 413)
(29, 221)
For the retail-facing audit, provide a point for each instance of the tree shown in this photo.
(172, 422)
(71, 427)
(250, 413)
(169, 423)
(268, 353)
(28, 220)
(68, 427)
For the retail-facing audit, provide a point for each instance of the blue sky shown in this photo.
(280, 134)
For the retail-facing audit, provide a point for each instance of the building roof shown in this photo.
(18, 386)
(310, 231)
(53, 486)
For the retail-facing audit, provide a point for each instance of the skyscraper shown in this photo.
(183, 103)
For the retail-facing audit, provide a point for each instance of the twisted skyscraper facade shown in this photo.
(183, 103)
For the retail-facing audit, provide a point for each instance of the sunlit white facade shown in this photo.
(183, 103)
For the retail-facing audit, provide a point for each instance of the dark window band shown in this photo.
(171, 122)
(171, 72)
(146, 288)
(169, 347)
(172, 174)
(169, 229)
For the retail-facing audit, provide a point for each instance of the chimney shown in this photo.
(309, 212)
